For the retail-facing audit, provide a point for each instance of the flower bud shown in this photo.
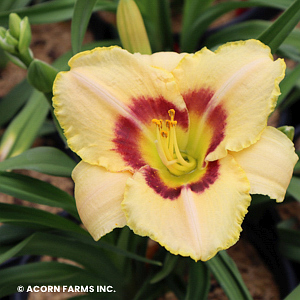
(6, 145)
(14, 25)
(16, 41)
(3, 41)
(2, 32)
(10, 39)
(41, 75)
(25, 35)
(131, 28)
(289, 131)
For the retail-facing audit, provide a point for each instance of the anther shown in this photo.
(164, 133)
(158, 123)
(168, 124)
(171, 114)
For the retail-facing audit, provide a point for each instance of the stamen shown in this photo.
(165, 144)
(178, 163)
(171, 113)
(164, 134)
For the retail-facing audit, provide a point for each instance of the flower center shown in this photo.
(177, 162)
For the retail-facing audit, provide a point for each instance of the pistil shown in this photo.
(177, 162)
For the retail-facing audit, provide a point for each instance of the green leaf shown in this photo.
(289, 240)
(123, 242)
(287, 84)
(168, 267)
(111, 248)
(294, 188)
(33, 218)
(53, 11)
(47, 273)
(3, 62)
(295, 294)
(297, 166)
(281, 28)
(289, 52)
(36, 191)
(10, 234)
(70, 245)
(177, 286)
(19, 3)
(81, 16)
(47, 160)
(14, 250)
(12, 4)
(241, 31)
(259, 200)
(189, 40)
(5, 5)
(128, 254)
(93, 258)
(292, 98)
(14, 58)
(198, 282)
(191, 10)
(22, 131)
(250, 30)
(157, 18)
(227, 274)
(41, 75)
(13, 101)
(47, 128)
(146, 291)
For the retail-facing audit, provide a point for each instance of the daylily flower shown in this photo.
(172, 145)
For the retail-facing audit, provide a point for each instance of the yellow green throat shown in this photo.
(177, 162)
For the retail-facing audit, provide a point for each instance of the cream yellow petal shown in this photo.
(195, 220)
(111, 95)
(165, 60)
(98, 195)
(269, 164)
(234, 89)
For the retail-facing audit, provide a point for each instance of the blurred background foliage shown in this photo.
(133, 265)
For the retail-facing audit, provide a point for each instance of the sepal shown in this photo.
(289, 131)
(41, 75)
